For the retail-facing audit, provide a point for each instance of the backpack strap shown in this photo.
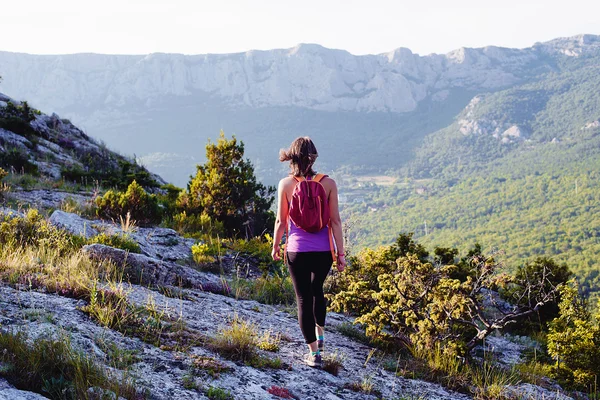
(318, 177)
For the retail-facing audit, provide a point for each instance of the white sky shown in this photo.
(226, 26)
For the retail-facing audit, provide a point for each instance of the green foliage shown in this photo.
(217, 393)
(542, 269)
(413, 302)
(197, 224)
(108, 169)
(34, 230)
(143, 207)
(18, 160)
(225, 189)
(267, 289)
(4, 187)
(531, 198)
(236, 342)
(574, 341)
(53, 368)
(119, 241)
(202, 253)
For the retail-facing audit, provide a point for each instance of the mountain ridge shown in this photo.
(395, 81)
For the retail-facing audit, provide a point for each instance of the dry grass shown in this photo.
(53, 368)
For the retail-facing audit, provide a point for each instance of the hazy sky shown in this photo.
(225, 26)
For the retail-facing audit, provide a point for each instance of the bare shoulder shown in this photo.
(328, 183)
(286, 183)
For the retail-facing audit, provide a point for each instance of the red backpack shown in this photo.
(309, 208)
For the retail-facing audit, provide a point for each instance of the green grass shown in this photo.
(239, 341)
(53, 368)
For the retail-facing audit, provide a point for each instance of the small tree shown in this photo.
(421, 304)
(574, 341)
(225, 189)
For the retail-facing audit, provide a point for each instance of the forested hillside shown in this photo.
(536, 192)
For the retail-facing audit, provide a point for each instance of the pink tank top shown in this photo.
(301, 241)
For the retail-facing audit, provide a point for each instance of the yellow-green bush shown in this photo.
(143, 207)
(202, 253)
(574, 341)
(119, 241)
(421, 303)
(34, 229)
(195, 224)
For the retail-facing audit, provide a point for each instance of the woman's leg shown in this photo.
(321, 267)
(299, 265)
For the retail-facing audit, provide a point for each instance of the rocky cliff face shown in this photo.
(307, 76)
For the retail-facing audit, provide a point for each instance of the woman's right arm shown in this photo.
(336, 226)
(280, 220)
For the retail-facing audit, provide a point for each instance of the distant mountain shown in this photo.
(518, 170)
(365, 111)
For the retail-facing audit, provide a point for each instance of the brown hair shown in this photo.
(302, 154)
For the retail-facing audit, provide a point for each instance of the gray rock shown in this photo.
(73, 223)
(527, 391)
(141, 269)
(162, 243)
(11, 139)
(8, 392)
(44, 199)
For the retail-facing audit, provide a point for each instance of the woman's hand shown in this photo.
(275, 252)
(341, 262)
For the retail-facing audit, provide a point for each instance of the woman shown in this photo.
(309, 255)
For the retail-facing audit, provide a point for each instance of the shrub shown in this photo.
(18, 160)
(236, 342)
(412, 302)
(142, 206)
(119, 241)
(272, 289)
(202, 253)
(216, 393)
(269, 342)
(574, 341)
(4, 187)
(197, 224)
(34, 230)
(542, 269)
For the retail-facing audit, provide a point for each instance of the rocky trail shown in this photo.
(186, 371)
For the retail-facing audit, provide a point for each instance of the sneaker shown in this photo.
(313, 361)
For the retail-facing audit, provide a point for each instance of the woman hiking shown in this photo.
(307, 211)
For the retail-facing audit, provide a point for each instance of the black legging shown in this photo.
(308, 271)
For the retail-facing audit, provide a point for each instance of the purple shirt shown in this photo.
(301, 241)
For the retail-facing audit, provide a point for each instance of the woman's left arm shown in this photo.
(280, 220)
(336, 226)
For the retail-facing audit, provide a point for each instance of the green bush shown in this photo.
(34, 230)
(18, 160)
(574, 341)
(413, 302)
(119, 241)
(143, 207)
(185, 223)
